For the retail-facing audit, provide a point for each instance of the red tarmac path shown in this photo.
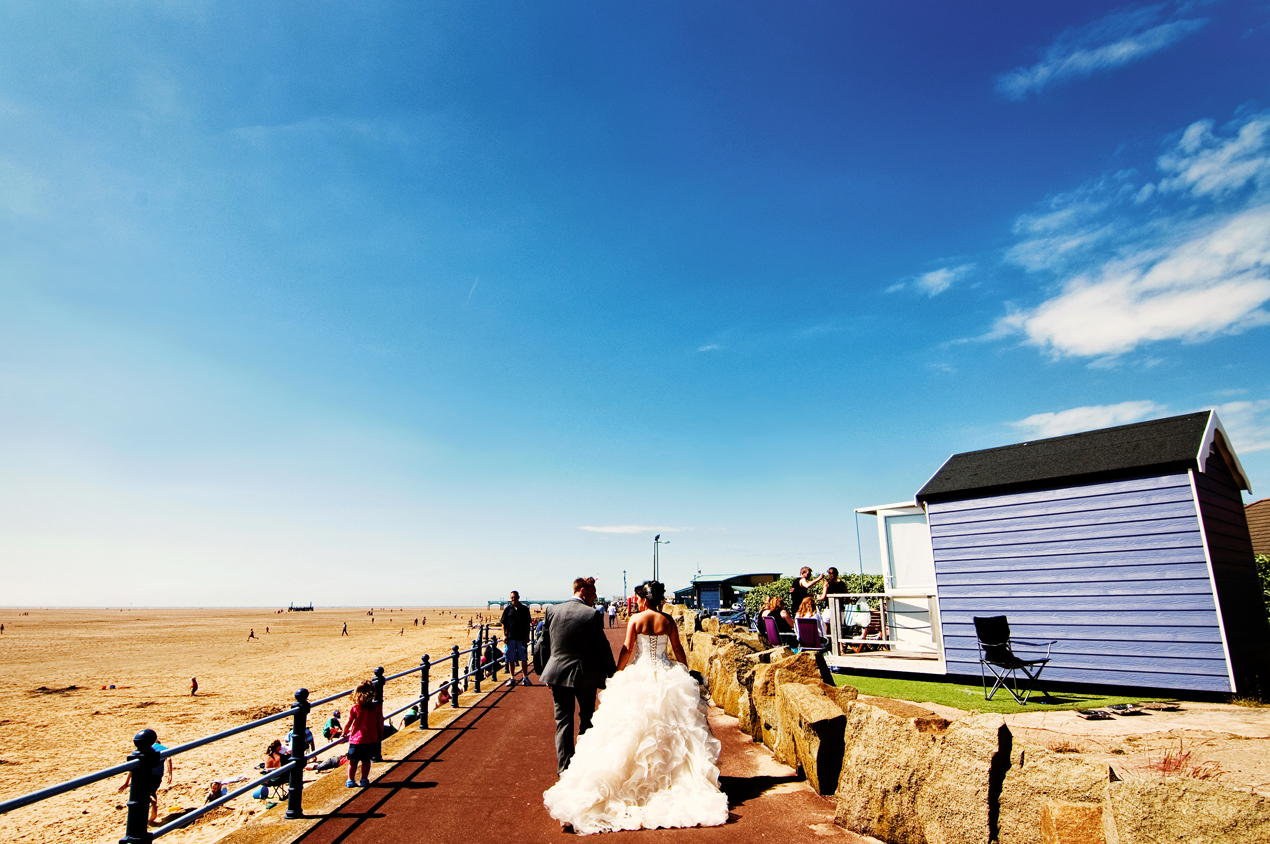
(483, 776)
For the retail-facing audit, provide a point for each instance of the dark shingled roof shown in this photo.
(1123, 451)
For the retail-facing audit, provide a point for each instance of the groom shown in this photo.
(577, 660)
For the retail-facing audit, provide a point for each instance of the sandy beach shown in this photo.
(59, 722)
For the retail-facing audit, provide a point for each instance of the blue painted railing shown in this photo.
(144, 760)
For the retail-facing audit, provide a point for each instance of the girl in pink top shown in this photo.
(364, 731)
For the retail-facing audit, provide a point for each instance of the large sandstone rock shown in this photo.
(745, 637)
(1038, 776)
(885, 763)
(703, 645)
(790, 668)
(1181, 809)
(815, 727)
(1071, 823)
(721, 675)
(710, 625)
(955, 801)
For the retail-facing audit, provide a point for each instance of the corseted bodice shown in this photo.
(651, 648)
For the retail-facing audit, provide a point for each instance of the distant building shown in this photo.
(711, 591)
(1258, 513)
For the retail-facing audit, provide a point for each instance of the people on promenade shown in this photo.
(156, 780)
(802, 587)
(576, 662)
(364, 732)
(649, 761)
(807, 609)
(832, 585)
(515, 622)
(612, 614)
(775, 610)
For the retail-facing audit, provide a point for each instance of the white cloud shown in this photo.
(1188, 261)
(937, 281)
(1247, 423)
(1211, 282)
(1116, 40)
(1204, 164)
(713, 347)
(631, 529)
(1077, 419)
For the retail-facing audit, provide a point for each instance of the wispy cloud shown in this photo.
(934, 282)
(713, 347)
(1077, 419)
(1188, 260)
(1113, 41)
(1247, 423)
(631, 529)
(937, 281)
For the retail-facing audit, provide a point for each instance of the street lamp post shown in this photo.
(657, 542)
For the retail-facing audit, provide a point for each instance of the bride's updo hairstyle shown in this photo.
(653, 593)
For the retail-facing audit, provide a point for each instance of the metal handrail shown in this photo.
(145, 758)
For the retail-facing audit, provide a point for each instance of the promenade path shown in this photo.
(482, 778)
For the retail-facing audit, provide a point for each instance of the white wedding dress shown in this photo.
(649, 760)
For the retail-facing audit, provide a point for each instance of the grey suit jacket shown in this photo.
(573, 649)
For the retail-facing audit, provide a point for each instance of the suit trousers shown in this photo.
(564, 697)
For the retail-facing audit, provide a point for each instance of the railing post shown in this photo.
(494, 671)
(137, 830)
(424, 705)
(479, 653)
(378, 682)
(454, 677)
(299, 746)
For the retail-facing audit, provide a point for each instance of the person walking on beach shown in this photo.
(156, 780)
(193, 686)
(577, 663)
(344, 632)
(515, 622)
(252, 635)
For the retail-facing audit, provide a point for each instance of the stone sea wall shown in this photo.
(908, 776)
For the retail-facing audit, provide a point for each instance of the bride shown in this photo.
(649, 760)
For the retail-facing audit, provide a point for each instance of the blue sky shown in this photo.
(420, 302)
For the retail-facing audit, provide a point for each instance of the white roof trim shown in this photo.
(1227, 452)
(903, 505)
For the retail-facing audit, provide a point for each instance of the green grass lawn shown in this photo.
(970, 696)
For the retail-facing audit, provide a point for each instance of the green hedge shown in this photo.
(756, 597)
(1263, 569)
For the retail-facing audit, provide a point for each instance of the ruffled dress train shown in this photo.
(649, 760)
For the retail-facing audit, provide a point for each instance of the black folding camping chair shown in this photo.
(996, 654)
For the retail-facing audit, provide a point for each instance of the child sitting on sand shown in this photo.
(364, 732)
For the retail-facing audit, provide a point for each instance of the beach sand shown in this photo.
(58, 722)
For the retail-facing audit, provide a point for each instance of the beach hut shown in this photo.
(1128, 546)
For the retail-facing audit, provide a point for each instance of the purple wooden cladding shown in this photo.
(1115, 572)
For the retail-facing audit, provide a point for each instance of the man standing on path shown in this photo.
(515, 623)
(612, 613)
(576, 660)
